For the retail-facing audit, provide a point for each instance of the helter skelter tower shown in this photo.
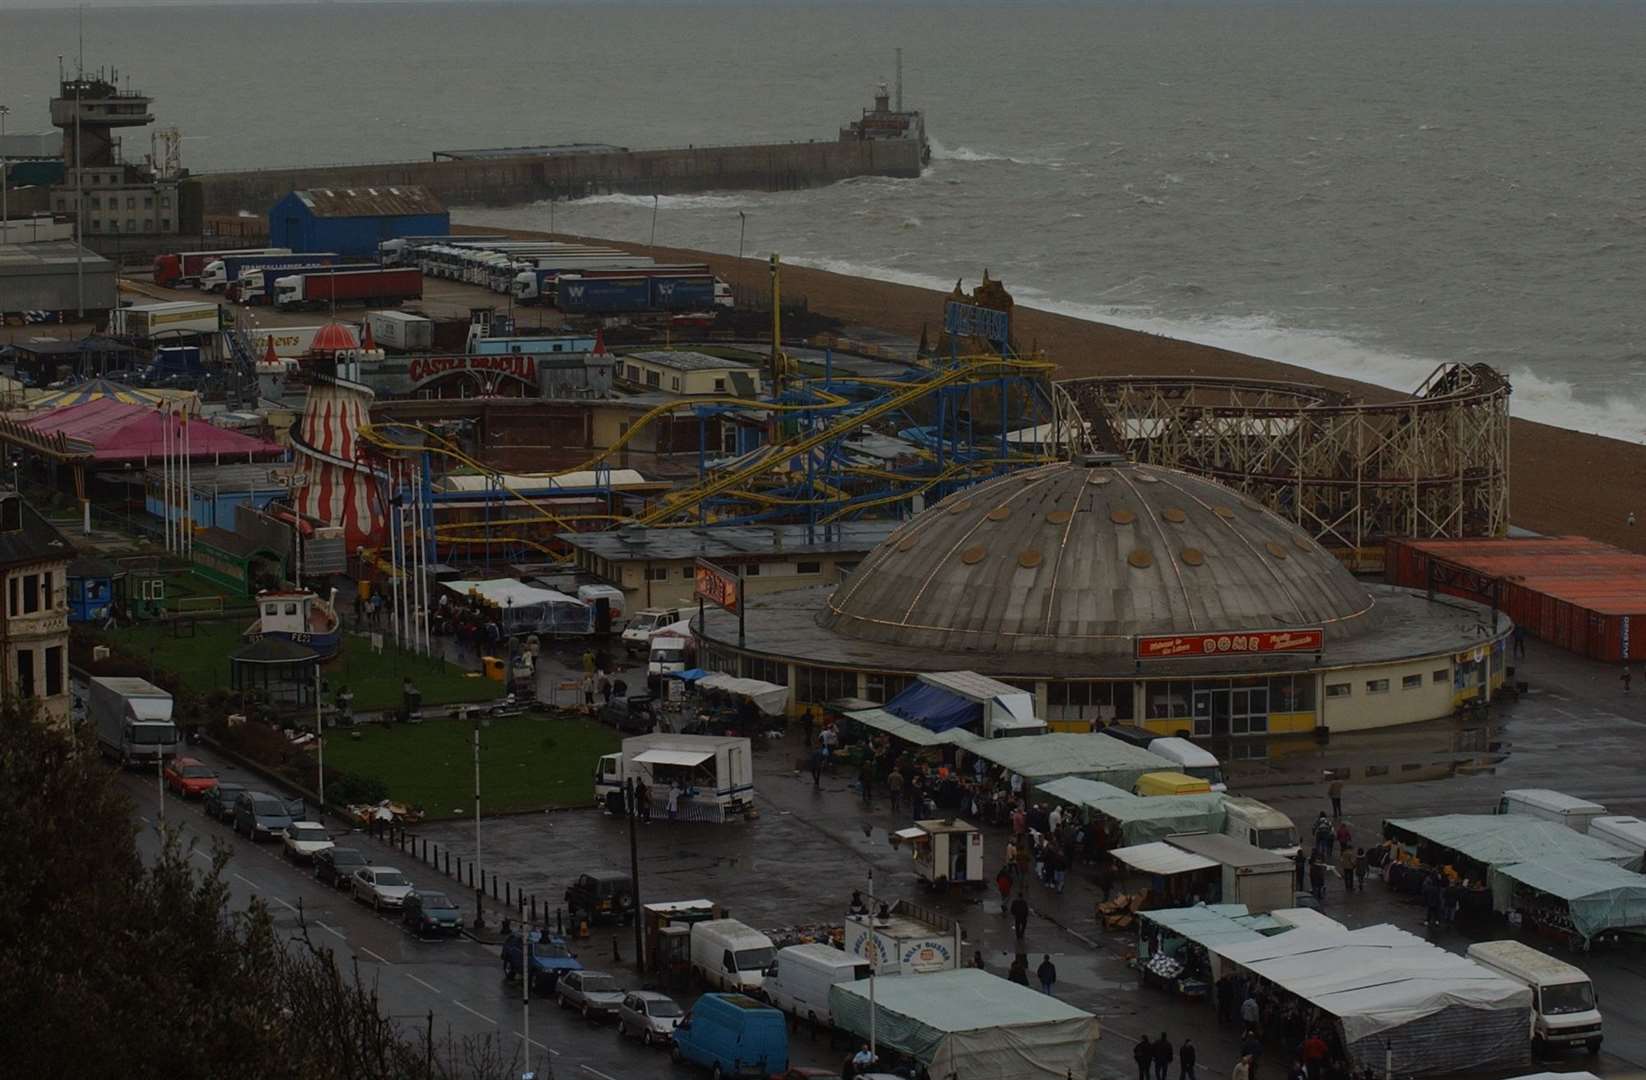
(340, 486)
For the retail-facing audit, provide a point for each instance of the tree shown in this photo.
(123, 957)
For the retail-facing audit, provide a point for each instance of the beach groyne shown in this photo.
(505, 181)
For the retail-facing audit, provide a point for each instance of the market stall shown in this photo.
(770, 698)
(1175, 876)
(1583, 898)
(1141, 820)
(1040, 759)
(1083, 794)
(525, 609)
(945, 852)
(1173, 944)
(968, 1023)
(1388, 992)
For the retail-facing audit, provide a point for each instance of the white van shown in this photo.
(729, 955)
(1625, 833)
(799, 979)
(1564, 1007)
(1192, 760)
(670, 652)
(637, 635)
(1259, 825)
(1556, 806)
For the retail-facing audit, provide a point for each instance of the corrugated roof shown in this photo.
(370, 201)
(37, 541)
(1576, 569)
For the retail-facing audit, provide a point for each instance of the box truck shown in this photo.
(185, 267)
(144, 321)
(132, 718)
(1556, 806)
(401, 331)
(712, 770)
(374, 288)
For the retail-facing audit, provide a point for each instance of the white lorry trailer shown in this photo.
(401, 331)
(132, 718)
(145, 321)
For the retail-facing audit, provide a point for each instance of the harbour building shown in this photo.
(1116, 591)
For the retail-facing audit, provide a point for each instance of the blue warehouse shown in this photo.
(353, 221)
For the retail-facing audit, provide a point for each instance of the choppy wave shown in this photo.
(668, 202)
(966, 153)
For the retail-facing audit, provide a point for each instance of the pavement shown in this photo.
(797, 861)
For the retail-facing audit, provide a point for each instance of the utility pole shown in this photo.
(634, 875)
(871, 953)
(526, 944)
(742, 226)
(79, 203)
(320, 735)
(899, 80)
(5, 182)
(654, 220)
(479, 872)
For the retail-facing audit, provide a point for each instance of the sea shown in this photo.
(1364, 188)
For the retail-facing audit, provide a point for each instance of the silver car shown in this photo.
(380, 886)
(592, 993)
(648, 1016)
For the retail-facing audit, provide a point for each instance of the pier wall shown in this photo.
(515, 180)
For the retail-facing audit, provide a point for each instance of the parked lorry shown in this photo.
(221, 273)
(185, 267)
(374, 288)
(908, 940)
(1259, 824)
(146, 321)
(255, 286)
(400, 251)
(576, 294)
(1555, 806)
(401, 331)
(132, 718)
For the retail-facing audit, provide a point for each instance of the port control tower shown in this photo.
(101, 108)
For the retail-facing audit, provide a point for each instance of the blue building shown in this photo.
(353, 221)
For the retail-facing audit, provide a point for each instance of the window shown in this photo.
(131, 202)
(165, 202)
(148, 202)
(1373, 771)
(633, 373)
(657, 573)
(96, 203)
(1377, 686)
(1340, 689)
(720, 386)
(654, 379)
(96, 226)
(25, 673)
(48, 601)
(31, 593)
(882, 688)
(131, 224)
(1412, 682)
(1440, 676)
(291, 609)
(752, 570)
(688, 573)
(808, 568)
(148, 224)
(11, 597)
(54, 670)
(674, 382)
(271, 609)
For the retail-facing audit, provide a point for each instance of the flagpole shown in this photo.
(165, 470)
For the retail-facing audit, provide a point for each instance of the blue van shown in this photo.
(733, 1035)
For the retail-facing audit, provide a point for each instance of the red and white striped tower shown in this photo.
(341, 489)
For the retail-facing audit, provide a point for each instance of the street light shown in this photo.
(5, 183)
(742, 224)
(479, 870)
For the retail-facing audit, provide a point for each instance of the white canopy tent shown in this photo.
(769, 698)
(524, 609)
(1159, 857)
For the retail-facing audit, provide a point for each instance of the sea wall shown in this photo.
(514, 180)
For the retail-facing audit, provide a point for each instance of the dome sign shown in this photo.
(1239, 643)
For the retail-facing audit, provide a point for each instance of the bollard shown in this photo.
(534, 907)
(616, 959)
(449, 863)
(425, 856)
(506, 898)
(494, 885)
(558, 928)
(471, 876)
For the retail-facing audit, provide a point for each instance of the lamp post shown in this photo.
(479, 871)
(742, 224)
(654, 220)
(5, 182)
(319, 736)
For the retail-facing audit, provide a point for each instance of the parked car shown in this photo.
(648, 1016)
(304, 840)
(261, 816)
(335, 866)
(188, 777)
(632, 714)
(604, 894)
(380, 886)
(219, 800)
(431, 913)
(551, 958)
(592, 993)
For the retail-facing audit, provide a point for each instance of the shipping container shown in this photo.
(1570, 591)
(400, 331)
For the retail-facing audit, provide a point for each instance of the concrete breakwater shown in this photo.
(515, 180)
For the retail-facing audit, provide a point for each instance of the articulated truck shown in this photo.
(132, 718)
(374, 288)
(219, 274)
(578, 294)
(185, 267)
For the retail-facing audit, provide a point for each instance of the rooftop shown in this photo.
(740, 541)
(51, 256)
(683, 360)
(34, 539)
(369, 201)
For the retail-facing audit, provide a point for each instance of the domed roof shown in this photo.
(1078, 558)
(334, 337)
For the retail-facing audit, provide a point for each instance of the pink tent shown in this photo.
(116, 431)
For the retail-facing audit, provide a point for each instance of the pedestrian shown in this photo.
(588, 661)
(1185, 1060)
(1346, 867)
(1627, 678)
(865, 780)
(1344, 836)
(864, 1060)
(1162, 1052)
(1003, 882)
(1298, 1071)
(1249, 1013)
(1047, 973)
(1143, 1054)
(604, 682)
(1520, 641)
(1251, 1048)
(1019, 970)
(977, 960)
(1432, 900)
(643, 800)
(1317, 878)
(1242, 1070)
(817, 767)
(1323, 834)
(894, 788)
(1300, 865)
(1362, 864)
(588, 694)
(1314, 1055)
(1020, 915)
(674, 800)
(1336, 792)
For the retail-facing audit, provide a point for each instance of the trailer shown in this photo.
(907, 940)
(132, 718)
(185, 267)
(374, 288)
(715, 774)
(219, 274)
(400, 251)
(401, 331)
(146, 321)
(255, 287)
(577, 294)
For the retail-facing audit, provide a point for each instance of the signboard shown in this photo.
(514, 365)
(969, 320)
(1239, 643)
(717, 585)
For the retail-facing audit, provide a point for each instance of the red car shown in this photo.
(189, 778)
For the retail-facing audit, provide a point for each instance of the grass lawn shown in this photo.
(526, 762)
(202, 661)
